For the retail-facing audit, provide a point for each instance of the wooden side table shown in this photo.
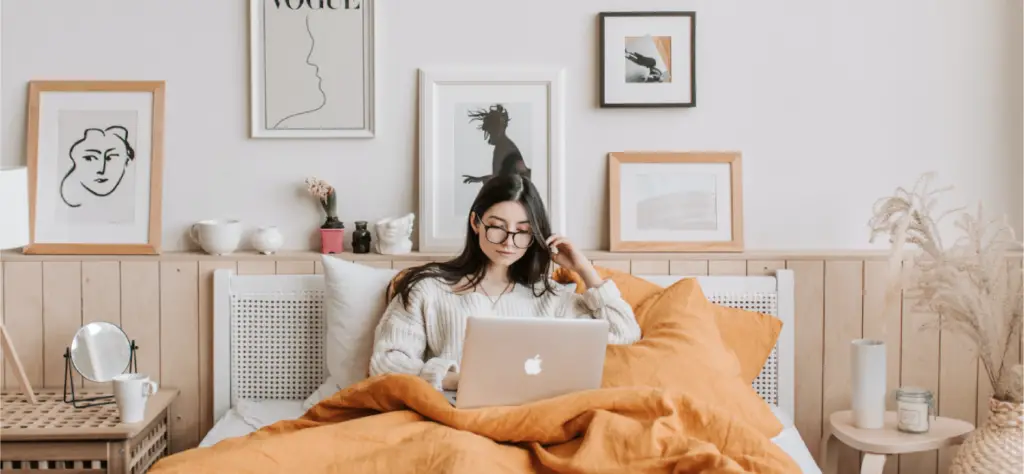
(876, 444)
(52, 434)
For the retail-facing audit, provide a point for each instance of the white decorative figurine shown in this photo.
(394, 235)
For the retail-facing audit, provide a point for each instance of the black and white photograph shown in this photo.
(648, 59)
(490, 143)
(95, 166)
(478, 123)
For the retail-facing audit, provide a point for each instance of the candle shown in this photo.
(913, 406)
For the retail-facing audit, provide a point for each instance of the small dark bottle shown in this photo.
(361, 238)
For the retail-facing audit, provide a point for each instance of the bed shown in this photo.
(269, 346)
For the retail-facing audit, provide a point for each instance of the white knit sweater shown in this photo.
(426, 340)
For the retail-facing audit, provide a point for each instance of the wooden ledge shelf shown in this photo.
(303, 255)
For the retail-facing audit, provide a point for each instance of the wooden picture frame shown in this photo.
(656, 199)
(648, 59)
(95, 167)
(313, 69)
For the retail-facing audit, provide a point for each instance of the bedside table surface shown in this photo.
(52, 419)
(889, 440)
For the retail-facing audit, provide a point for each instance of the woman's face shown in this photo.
(498, 224)
(100, 161)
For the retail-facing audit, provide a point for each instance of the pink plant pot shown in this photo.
(332, 240)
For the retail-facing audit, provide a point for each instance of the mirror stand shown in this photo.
(69, 382)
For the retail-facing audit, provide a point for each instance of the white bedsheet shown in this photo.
(250, 416)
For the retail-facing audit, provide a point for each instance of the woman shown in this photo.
(502, 271)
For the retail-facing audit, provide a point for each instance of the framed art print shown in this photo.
(476, 123)
(312, 68)
(648, 59)
(676, 202)
(95, 166)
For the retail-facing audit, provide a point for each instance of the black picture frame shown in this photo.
(602, 20)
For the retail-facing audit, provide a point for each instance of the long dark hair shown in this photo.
(529, 270)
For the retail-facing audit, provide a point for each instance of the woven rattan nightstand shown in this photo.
(57, 436)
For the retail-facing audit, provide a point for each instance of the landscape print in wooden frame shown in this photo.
(648, 59)
(676, 202)
(95, 167)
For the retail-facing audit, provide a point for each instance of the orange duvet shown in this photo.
(399, 424)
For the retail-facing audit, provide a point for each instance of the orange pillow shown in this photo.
(681, 350)
(750, 335)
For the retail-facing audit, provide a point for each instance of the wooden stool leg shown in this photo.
(829, 454)
(872, 463)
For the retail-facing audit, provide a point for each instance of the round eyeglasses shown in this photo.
(498, 235)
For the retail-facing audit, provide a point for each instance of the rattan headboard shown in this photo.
(269, 333)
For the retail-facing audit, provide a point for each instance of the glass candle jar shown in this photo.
(913, 407)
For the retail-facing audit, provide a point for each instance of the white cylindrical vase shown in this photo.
(867, 373)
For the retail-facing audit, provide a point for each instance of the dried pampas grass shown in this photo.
(972, 285)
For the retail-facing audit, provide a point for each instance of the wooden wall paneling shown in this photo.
(101, 299)
(318, 267)
(3, 317)
(140, 314)
(764, 267)
(378, 263)
(809, 283)
(206, 271)
(23, 308)
(843, 323)
(295, 267)
(649, 267)
(179, 344)
(885, 324)
(920, 368)
(62, 316)
(257, 267)
(958, 387)
(727, 267)
(620, 265)
(688, 267)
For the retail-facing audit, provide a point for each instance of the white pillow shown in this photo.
(353, 304)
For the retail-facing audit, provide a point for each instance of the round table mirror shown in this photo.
(100, 351)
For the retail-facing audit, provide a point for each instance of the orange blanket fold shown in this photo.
(399, 424)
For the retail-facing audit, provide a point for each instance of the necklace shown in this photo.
(494, 302)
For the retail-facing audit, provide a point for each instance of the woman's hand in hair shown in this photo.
(566, 255)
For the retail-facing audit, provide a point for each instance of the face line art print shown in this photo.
(506, 158)
(319, 80)
(110, 159)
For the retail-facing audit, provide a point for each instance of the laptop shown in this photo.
(513, 361)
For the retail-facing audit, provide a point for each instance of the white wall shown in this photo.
(833, 103)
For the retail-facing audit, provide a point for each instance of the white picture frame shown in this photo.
(537, 92)
(315, 36)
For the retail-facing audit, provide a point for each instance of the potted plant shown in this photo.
(973, 286)
(332, 231)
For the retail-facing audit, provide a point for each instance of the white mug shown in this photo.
(132, 391)
(217, 236)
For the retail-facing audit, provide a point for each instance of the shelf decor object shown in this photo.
(95, 167)
(14, 233)
(675, 202)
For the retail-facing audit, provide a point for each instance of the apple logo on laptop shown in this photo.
(532, 365)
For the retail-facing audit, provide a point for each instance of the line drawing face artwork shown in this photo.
(97, 180)
(677, 202)
(309, 79)
(498, 131)
(648, 59)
